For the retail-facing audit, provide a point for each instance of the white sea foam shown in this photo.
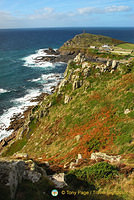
(3, 91)
(35, 80)
(34, 60)
(21, 104)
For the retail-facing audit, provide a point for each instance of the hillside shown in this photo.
(87, 40)
(93, 46)
(86, 127)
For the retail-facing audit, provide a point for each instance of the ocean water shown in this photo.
(21, 79)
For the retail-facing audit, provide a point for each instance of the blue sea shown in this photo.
(21, 78)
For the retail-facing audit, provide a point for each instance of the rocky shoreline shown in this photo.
(53, 56)
(18, 120)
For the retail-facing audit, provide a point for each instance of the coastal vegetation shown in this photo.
(91, 111)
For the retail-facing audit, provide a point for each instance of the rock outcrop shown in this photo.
(104, 156)
(58, 180)
(13, 171)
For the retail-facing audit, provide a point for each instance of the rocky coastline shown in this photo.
(17, 121)
(53, 56)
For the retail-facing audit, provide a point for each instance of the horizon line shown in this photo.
(69, 27)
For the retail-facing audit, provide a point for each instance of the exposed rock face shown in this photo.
(109, 63)
(104, 156)
(32, 176)
(20, 156)
(62, 84)
(85, 65)
(67, 99)
(79, 58)
(86, 72)
(56, 56)
(72, 165)
(77, 137)
(51, 51)
(58, 180)
(77, 84)
(127, 111)
(79, 158)
(114, 64)
(13, 171)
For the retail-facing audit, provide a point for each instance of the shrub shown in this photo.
(98, 171)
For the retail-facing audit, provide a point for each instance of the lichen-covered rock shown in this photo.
(77, 137)
(67, 99)
(13, 171)
(58, 180)
(20, 156)
(104, 156)
(86, 72)
(79, 58)
(109, 63)
(70, 74)
(11, 174)
(85, 65)
(62, 84)
(72, 165)
(112, 71)
(114, 64)
(77, 70)
(127, 111)
(79, 156)
(77, 84)
(15, 177)
(32, 176)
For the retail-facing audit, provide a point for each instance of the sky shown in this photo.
(66, 13)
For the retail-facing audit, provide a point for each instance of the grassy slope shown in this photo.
(96, 113)
(126, 46)
(82, 42)
(87, 39)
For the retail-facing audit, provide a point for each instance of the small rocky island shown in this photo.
(79, 138)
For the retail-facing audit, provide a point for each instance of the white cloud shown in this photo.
(49, 17)
(88, 10)
(42, 13)
(117, 9)
(7, 19)
(95, 10)
(5, 15)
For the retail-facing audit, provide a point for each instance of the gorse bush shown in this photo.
(98, 171)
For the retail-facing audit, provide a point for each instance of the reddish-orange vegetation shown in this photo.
(127, 79)
(95, 96)
(96, 135)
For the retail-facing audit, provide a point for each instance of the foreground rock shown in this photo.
(104, 156)
(58, 180)
(13, 171)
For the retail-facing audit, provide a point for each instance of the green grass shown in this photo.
(126, 46)
(101, 170)
(15, 147)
